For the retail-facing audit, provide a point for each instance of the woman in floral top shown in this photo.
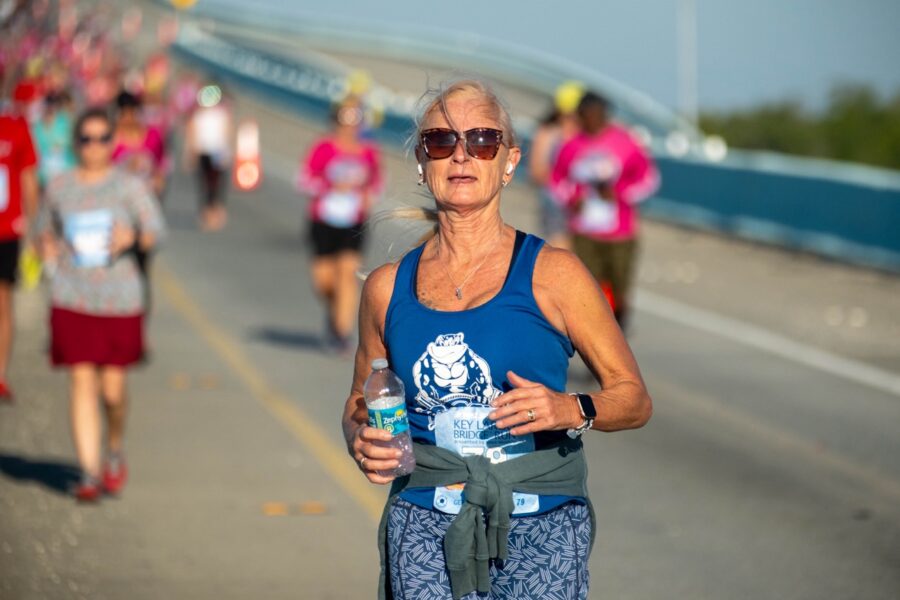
(91, 220)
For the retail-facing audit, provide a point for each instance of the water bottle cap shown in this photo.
(379, 363)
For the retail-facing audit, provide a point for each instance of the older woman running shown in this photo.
(480, 322)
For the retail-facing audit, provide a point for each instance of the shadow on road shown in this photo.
(57, 476)
(290, 338)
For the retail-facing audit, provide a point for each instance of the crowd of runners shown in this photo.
(88, 129)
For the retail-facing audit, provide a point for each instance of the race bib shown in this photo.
(90, 234)
(467, 431)
(599, 216)
(340, 209)
(4, 188)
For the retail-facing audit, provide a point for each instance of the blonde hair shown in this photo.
(435, 98)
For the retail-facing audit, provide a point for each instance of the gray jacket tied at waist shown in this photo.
(479, 532)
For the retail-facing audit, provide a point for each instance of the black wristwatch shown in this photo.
(588, 413)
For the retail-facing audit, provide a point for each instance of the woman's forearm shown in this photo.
(625, 405)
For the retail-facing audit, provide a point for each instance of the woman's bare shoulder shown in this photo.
(560, 268)
(563, 288)
(377, 291)
(380, 282)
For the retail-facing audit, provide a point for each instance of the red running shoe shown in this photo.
(87, 492)
(114, 477)
(6, 394)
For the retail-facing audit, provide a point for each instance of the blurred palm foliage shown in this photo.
(857, 125)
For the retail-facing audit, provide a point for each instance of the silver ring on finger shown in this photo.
(362, 462)
(531, 415)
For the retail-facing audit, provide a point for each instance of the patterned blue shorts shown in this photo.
(548, 555)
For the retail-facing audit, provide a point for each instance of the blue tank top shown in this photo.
(453, 364)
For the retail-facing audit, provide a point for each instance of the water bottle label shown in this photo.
(391, 419)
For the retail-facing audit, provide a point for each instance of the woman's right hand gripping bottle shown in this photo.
(386, 401)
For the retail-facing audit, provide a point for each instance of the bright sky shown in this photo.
(749, 50)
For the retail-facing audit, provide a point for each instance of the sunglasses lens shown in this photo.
(483, 143)
(84, 140)
(439, 143)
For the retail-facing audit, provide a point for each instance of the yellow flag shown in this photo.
(183, 4)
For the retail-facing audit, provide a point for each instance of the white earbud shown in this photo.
(509, 169)
(419, 167)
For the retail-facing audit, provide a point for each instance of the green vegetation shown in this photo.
(856, 126)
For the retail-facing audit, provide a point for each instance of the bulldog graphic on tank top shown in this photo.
(455, 390)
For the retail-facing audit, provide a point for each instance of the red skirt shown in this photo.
(100, 340)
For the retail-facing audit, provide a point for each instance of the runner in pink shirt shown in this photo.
(138, 147)
(600, 176)
(341, 174)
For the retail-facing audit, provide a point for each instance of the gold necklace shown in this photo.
(473, 271)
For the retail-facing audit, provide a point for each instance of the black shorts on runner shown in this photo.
(327, 240)
(9, 261)
(212, 181)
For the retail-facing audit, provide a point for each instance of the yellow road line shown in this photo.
(331, 456)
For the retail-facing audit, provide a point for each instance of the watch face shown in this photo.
(587, 406)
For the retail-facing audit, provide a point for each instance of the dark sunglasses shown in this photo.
(84, 140)
(482, 142)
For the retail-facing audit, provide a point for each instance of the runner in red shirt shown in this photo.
(18, 191)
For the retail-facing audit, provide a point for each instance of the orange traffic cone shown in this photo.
(247, 164)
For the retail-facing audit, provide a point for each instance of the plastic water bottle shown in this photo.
(386, 401)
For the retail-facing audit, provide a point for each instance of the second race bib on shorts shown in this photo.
(468, 431)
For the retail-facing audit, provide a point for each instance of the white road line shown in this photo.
(767, 341)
